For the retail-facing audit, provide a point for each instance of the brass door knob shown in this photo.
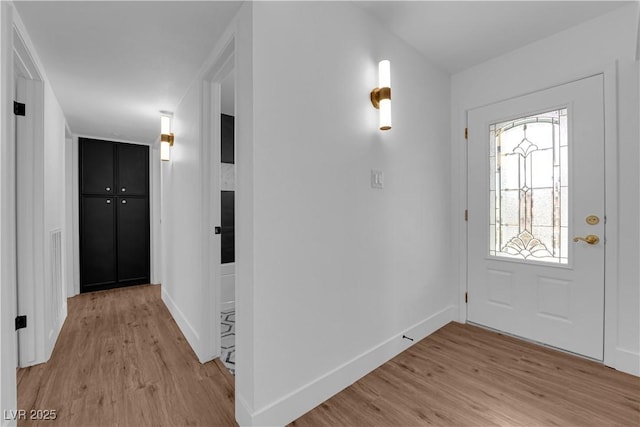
(591, 239)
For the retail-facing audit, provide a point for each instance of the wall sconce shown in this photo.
(166, 137)
(381, 96)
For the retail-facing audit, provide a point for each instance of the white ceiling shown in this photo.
(456, 35)
(114, 65)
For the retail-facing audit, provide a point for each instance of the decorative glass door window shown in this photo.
(528, 186)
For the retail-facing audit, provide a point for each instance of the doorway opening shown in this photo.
(227, 222)
(218, 176)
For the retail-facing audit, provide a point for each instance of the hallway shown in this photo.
(121, 360)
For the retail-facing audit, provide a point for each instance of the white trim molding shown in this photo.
(189, 332)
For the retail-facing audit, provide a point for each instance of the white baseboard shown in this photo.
(54, 334)
(627, 361)
(243, 412)
(300, 401)
(190, 334)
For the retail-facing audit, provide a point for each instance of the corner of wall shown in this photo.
(73, 219)
(245, 381)
(189, 332)
(627, 361)
(302, 400)
(243, 412)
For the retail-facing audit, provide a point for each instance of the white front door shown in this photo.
(536, 216)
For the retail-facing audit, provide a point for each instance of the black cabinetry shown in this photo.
(114, 214)
(227, 220)
(227, 198)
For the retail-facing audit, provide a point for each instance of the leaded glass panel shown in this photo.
(529, 188)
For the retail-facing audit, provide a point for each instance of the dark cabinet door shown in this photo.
(98, 243)
(96, 166)
(227, 215)
(227, 149)
(114, 204)
(133, 169)
(133, 240)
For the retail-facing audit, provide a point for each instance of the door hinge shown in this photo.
(19, 109)
(21, 322)
(217, 230)
(466, 215)
(466, 297)
(466, 133)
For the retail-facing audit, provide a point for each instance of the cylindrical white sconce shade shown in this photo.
(165, 151)
(384, 73)
(166, 137)
(381, 96)
(165, 124)
(384, 81)
(385, 114)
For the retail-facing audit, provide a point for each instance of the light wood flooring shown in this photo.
(122, 361)
(466, 376)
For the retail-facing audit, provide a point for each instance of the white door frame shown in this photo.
(8, 302)
(609, 73)
(539, 291)
(30, 222)
(222, 65)
(29, 199)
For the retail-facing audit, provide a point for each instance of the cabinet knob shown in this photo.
(107, 188)
(124, 202)
(123, 189)
(108, 201)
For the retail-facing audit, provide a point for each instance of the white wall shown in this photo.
(182, 281)
(244, 225)
(155, 203)
(590, 48)
(8, 395)
(54, 207)
(330, 273)
(50, 205)
(42, 206)
(190, 268)
(340, 270)
(41, 177)
(73, 218)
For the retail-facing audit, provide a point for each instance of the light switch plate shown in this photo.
(377, 179)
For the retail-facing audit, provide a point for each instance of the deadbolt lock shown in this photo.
(592, 220)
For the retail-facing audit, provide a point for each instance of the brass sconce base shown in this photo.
(167, 138)
(378, 94)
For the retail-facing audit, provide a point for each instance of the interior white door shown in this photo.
(28, 220)
(536, 216)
